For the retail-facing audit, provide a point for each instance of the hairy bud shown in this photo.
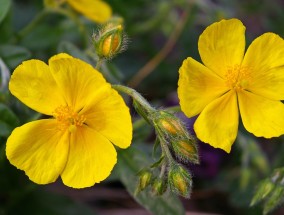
(110, 40)
(144, 179)
(159, 186)
(180, 180)
(186, 150)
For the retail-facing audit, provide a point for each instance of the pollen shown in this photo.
(238, 77)
(68, 119)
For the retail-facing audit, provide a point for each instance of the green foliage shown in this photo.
(5, 6)
(8, 120)
(270, 191)
(14, 55)
(130, 162)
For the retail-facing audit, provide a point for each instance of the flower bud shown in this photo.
(144, 179)
(170, 123)
(180, 180)
(159, 186)
(109, 41)
(186, 150)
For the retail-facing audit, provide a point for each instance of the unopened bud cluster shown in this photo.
(177, 147)
(146, 178)
(110, 40)
(177, 178)
(173, 132)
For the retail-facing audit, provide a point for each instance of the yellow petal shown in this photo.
(33, 84)
(269, 84)
(261, 116)
(59, 56)
(78, 81)
(39, 149)
(218, 122)
(222, 45)
(265, 52)
(91, 159)
(197, 87)
(263, 59)
(107, 114)
(95, 10)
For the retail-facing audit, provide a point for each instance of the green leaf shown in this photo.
(270, 191)
(155, 147)
(263, 189)
(4, 8)
(158, 163)
(14, 55)
(130, 161)
(274, 200)
(8, 120)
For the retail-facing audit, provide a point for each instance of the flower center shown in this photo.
(237, 77)
(67, 118)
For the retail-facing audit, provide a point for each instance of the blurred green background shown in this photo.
(223, 184)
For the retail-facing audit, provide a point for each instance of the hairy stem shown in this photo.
(135, 95)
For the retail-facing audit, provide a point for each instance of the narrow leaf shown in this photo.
(275, 199)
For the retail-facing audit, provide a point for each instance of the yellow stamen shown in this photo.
(67, 118)
(238, 77)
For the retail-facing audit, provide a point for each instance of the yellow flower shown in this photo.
(87, 118)
(96, 10)
(232, 81)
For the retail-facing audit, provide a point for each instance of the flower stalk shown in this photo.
(176, 144)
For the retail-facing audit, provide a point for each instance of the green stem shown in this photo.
(99, 63)
(136, 96)
(164, 147)
(26, 30)
(163, 170)
(167, 152)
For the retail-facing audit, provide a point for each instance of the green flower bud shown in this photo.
(180, 181)
(144, 179)
(170, 124)
(109, 41)
(159, 186)
(186, 150)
